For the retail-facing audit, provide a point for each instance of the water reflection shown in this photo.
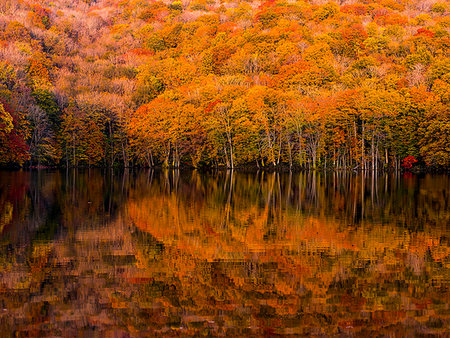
(143, 253)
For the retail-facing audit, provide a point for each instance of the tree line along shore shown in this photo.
(359, 85)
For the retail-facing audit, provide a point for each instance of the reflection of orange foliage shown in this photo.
(422, 243)
(209, 254)
(245, 237)
(206, 236)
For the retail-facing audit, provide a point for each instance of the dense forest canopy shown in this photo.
(349, 84)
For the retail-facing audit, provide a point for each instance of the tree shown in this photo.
(227, 122)
(42, 143)
(82, 138)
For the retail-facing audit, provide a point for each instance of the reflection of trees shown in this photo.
(10, 196)
(62, 246)
(32, 196)
(41, 202)
(182, 252)
(325, 254)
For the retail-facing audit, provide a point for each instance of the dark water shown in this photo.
(95, 253)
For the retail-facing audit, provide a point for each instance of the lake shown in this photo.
(169, 253)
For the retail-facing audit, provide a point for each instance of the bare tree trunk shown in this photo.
(124, 154)
(372, 150)
(226, 157)
(334, 157)
(231, 156)
(314, 159)
(272, 154)
(290, 153)
(354, 158)
(73, 149)
(230, 143)
(279, 152)
(363, 165)
(377, 156)
(176, 160)
(111, 144)
(167, 156)
(300, 150)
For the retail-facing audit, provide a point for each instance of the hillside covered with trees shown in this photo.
(305, 84)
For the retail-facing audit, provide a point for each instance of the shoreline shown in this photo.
(245, 169)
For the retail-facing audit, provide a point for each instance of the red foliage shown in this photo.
(13, 148)
(227, 27)
(354, 37)
(211, 105)
(265, 4)
(141, 51)
(356, 9)
(383, 16)
(408, 162)
(424, 32)
(40, 16)
(402, 83)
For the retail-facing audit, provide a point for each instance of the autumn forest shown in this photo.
(205, 83)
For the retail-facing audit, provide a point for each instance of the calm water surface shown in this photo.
(148, 253)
